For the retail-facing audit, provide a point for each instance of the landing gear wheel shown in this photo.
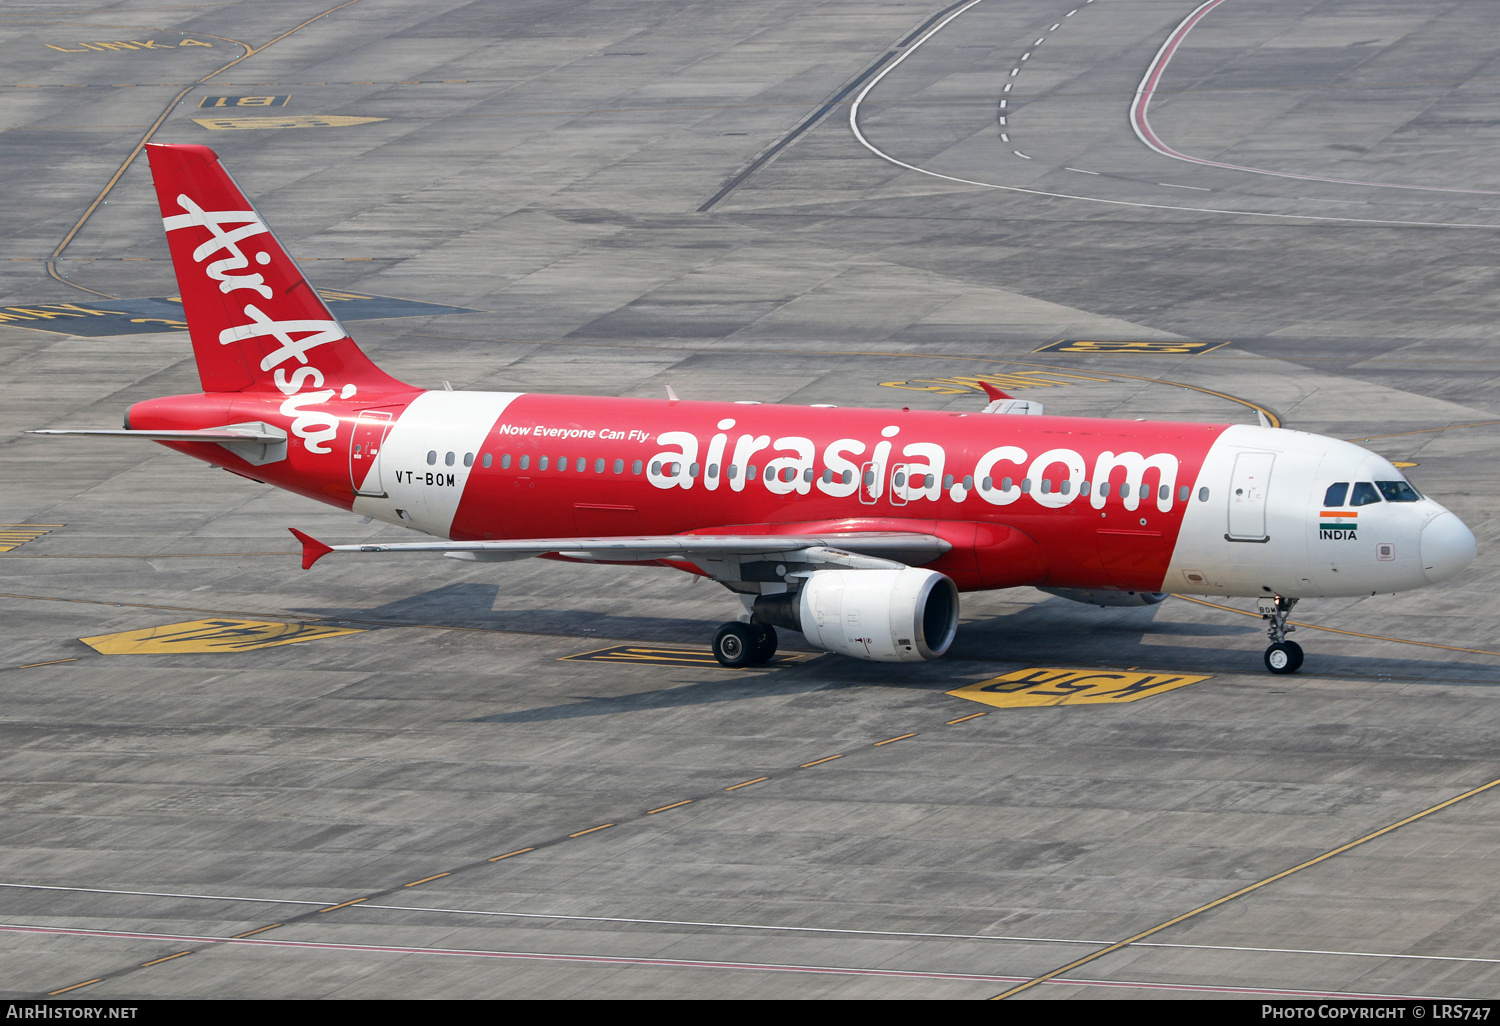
(763, 643)
(1284, 657)
(734, 645)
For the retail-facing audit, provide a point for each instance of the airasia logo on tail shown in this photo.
(315, 427)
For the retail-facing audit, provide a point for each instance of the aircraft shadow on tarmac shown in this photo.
(469, 605)
(1052, 632)
(1069, 633)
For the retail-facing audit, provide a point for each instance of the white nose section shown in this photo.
(1447, 547)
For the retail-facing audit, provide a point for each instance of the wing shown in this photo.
(724, 557)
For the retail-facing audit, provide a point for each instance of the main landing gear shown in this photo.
(744, 644)
(1282, 656)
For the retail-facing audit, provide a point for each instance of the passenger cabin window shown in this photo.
(1398, 491)
(541, 464)
(505, 462)
(432, 458)
(1334, 497)
(525, 462)
(635, 468)
(448, 460)
(1363, 494)
(468, 459)
(488, 460)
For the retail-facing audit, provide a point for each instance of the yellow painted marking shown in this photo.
(964, 383)
(50, 662)
(674, 805)
(961, 719)
(1111, 347)
(427, 879)
(346, 904)
(219, 635)
(1428, 431)
(888, 740)
(120, 44)
(1400, 465)
(747, 783)
(159, 961)
(13, 536)
(1053, 686)
(1335, 630)
(287, 121)
(85, 983)
(590, 830)
(259, 929)
(662, 656)
(1248, 888)
(819, 762)
(518, 851)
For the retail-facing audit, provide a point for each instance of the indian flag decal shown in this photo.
(1338, 520)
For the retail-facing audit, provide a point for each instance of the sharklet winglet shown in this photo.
(312, 549)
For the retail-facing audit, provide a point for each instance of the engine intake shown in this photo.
(886, 616)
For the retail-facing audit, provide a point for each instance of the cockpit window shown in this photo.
(1363, 494)
(1398, 491)
(1336, 493)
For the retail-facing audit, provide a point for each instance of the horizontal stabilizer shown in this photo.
(198, 435)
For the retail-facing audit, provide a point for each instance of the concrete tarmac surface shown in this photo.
(413, 777)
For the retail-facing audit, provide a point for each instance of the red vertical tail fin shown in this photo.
(256, 323)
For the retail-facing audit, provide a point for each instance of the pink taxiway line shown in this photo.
(1147, 135)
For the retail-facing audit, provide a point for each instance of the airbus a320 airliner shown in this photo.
(856, 527)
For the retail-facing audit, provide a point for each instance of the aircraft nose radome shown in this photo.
(1447, 547)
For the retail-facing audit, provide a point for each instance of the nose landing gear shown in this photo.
(1282, 656)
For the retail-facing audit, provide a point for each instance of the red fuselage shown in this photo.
(1061, 501)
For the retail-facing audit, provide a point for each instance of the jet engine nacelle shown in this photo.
(1100, 597)
(887, 616)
